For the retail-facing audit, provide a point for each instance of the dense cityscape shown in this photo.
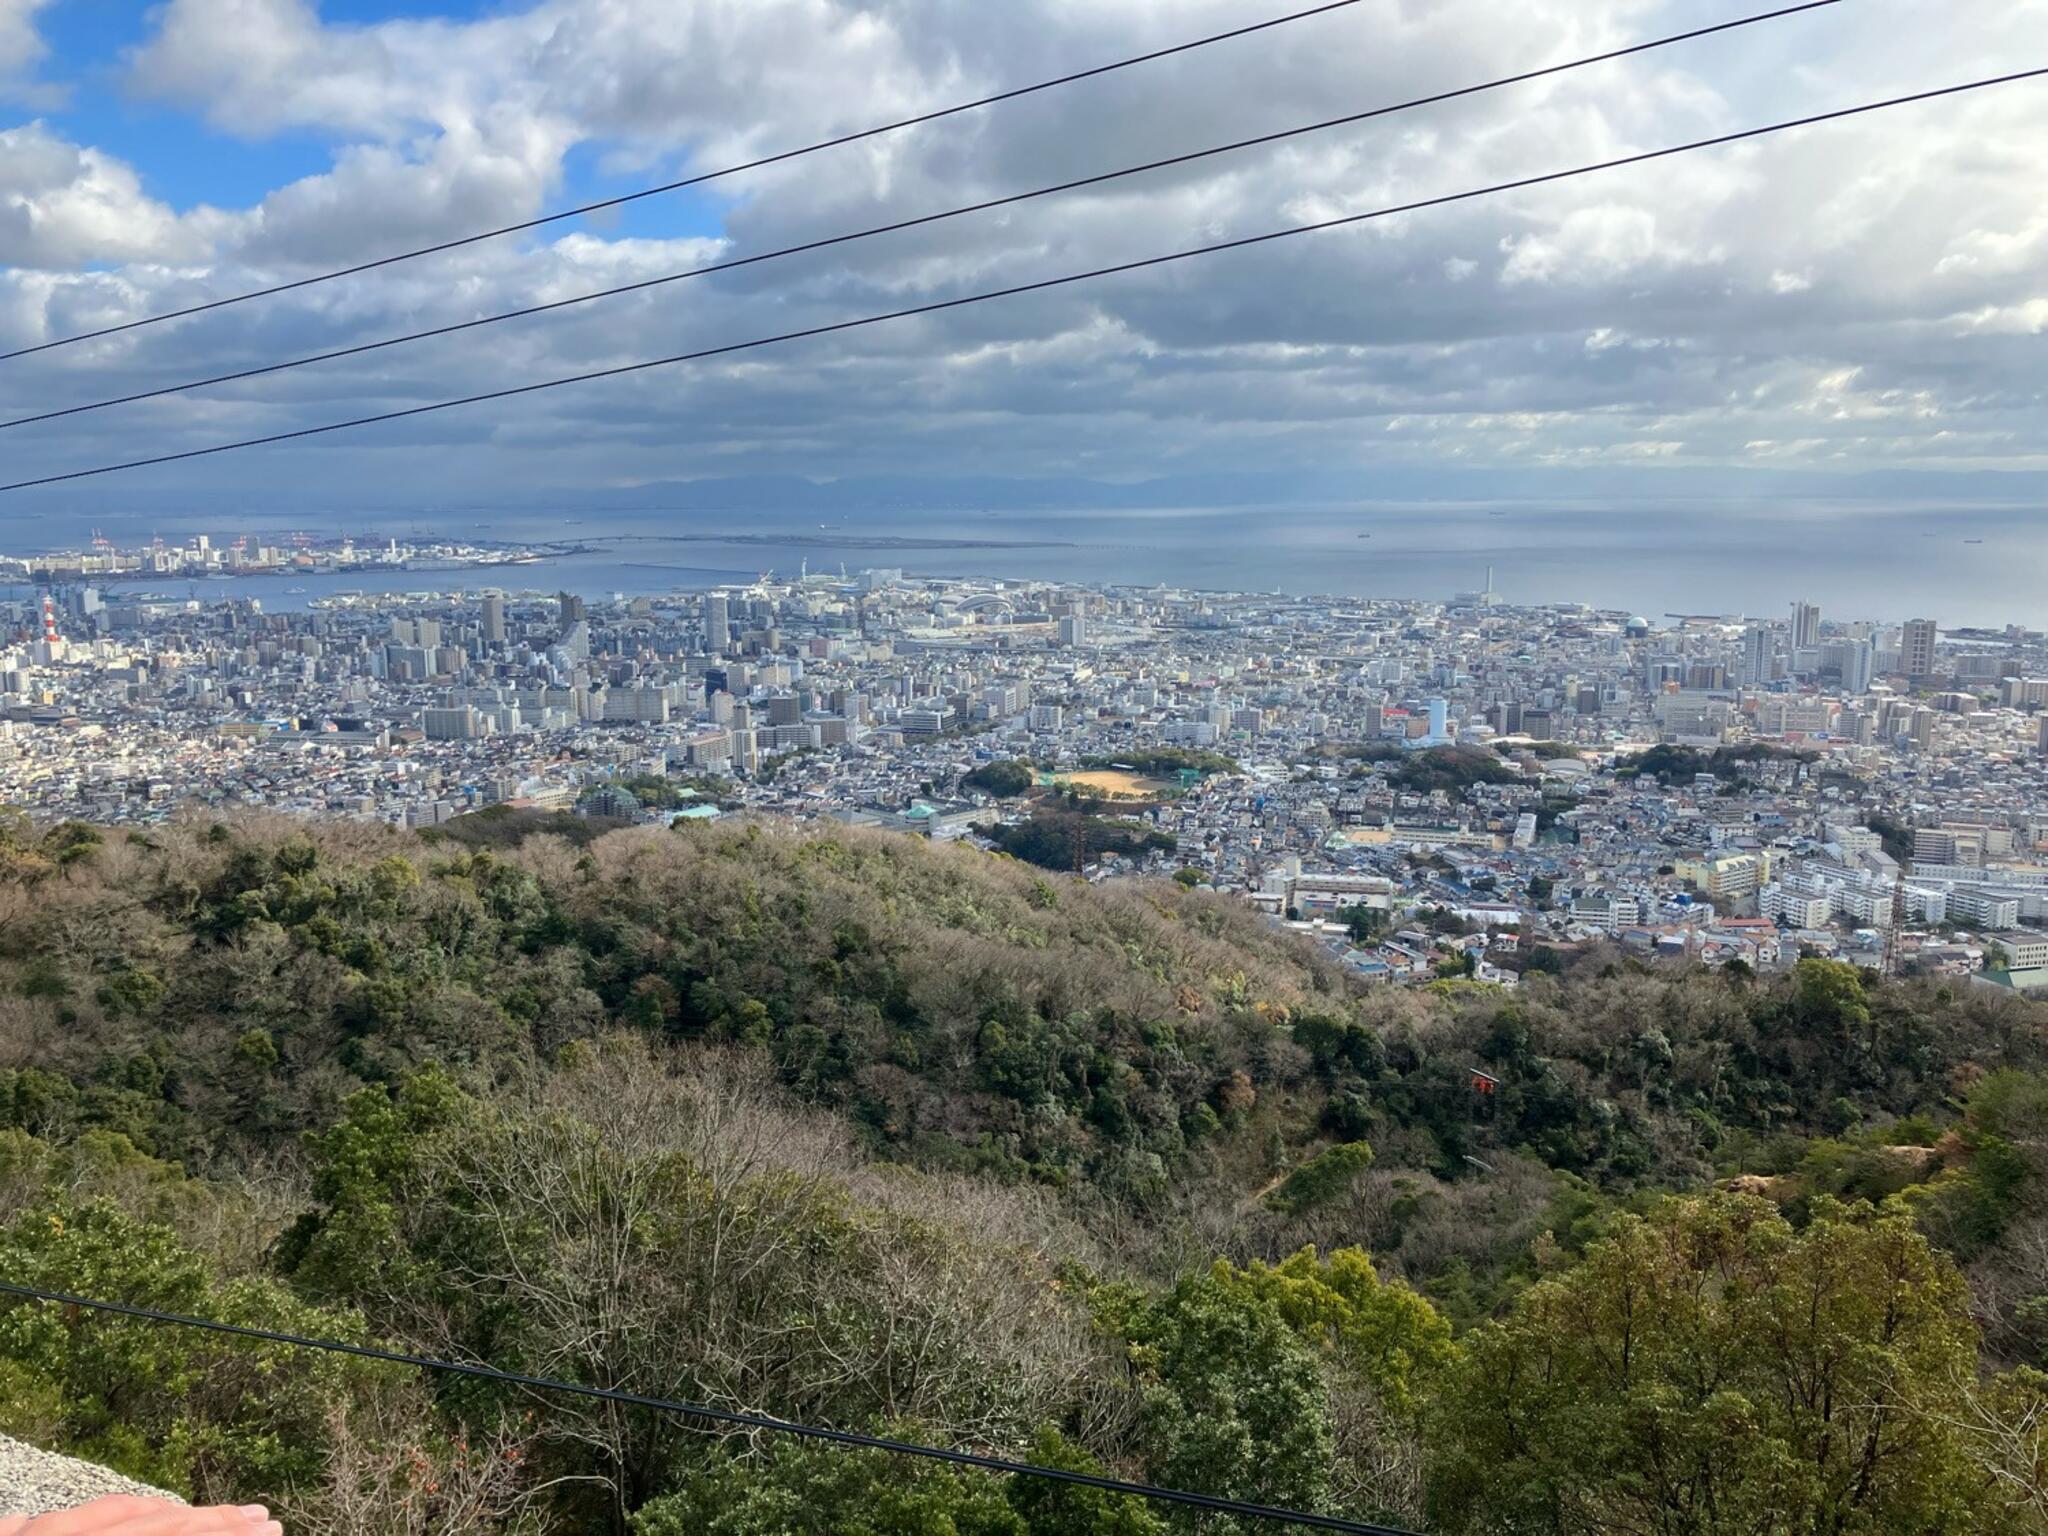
(1430, 787)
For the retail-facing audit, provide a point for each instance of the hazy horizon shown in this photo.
(1856, 560)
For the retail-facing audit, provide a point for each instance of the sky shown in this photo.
(1864, 302)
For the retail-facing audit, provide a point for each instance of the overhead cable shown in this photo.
(359, 348)
(689, 181)
(1041, 285)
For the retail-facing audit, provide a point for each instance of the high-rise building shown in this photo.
(717, 623)
(493, 622)
(1858, 663)
(572, 608)
(1805, 626)
(1916, 648)
(1073, 630)
(1758, 653)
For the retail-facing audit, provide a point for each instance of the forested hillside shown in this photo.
(912, 1139)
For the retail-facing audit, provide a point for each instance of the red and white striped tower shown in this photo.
(50, 620)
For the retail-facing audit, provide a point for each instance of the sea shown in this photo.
(1961, 565)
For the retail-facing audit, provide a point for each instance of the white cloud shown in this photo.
(21, 48)
(256, 66)
(2027, 318)
(67, 206)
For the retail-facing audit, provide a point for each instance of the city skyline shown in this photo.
(1802, 676)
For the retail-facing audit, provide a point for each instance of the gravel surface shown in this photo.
(34, 1482)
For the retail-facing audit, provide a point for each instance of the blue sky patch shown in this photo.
(185, 162)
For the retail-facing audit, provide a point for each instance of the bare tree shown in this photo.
(677, 1227)
(388, 1475)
